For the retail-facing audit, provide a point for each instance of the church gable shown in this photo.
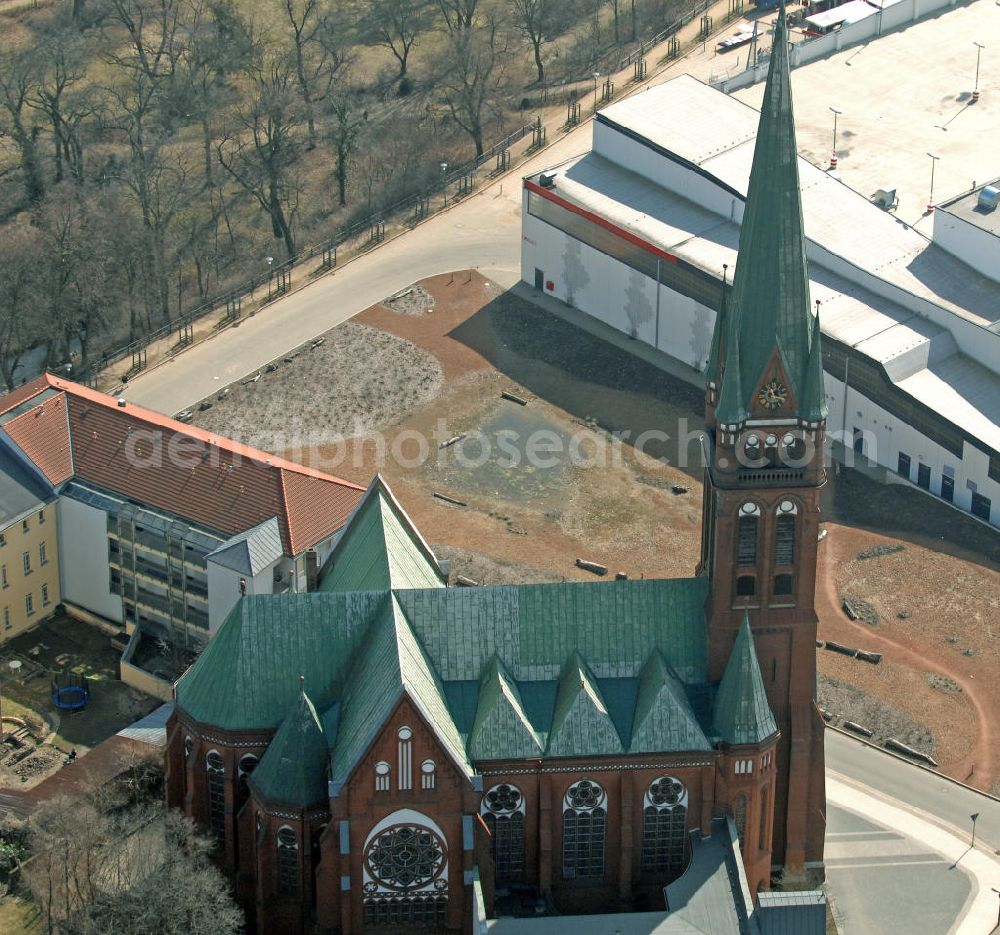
(501, 729)
(663, 718)
(581, 724)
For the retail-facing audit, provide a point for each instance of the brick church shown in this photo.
(387, 753)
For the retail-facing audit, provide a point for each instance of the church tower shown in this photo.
(766, 418)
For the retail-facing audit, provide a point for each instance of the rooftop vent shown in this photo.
(121, 402)
(989, 198)
(547, 180)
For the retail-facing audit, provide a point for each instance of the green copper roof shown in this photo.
(742, 714)
(501, 728)
(769, 306)
(535, 628)
(486, 667)
(247, 675)
(663, 717)
(380, 548)
(390, 663)
(292, 769)
(581, 725)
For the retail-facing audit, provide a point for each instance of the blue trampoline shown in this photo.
(70, 692)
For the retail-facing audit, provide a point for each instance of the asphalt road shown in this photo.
(933, 797)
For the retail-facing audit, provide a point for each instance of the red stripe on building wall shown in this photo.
(601, 222)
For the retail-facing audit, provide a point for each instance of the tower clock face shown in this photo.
(773, 394)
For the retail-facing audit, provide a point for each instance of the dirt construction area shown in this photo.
(555, 445)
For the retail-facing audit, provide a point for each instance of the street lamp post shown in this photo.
(974, 816)
(995, 890)
(930, 200)
(833, 157)
(444, 183)
(597, 75)
(975, 90)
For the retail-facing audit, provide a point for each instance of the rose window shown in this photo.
(665, 793)
(503, 799)
(405, 857)
(584, 796)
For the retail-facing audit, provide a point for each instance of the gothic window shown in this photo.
(405, 873)
(740, 816)
(216, 768)
(188, 747)
(784, 534)
(763, 842)
(288, 862)
(248, 763)
(746, 534)
(382, 771)
(752, 451)
(783, 585)
(585, 818)
(664, 828)
(503, 812)
(793, 449)
(405, 778)
(428, 775)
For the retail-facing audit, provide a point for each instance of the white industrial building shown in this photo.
(911, 332)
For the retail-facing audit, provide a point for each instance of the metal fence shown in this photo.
(366, 232)
(369, 231)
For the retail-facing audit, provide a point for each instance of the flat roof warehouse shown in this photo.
(887, 292)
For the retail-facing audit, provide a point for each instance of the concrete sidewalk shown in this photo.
(891, 869)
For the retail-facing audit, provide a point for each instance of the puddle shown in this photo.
(515, 454)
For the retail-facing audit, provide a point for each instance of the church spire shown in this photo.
(768, 315)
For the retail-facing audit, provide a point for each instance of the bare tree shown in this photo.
(62, 65)
(130, 871)
(18, 84)
(19, 285)
(262, 147)
(458, 14)
(539, 21)
(344, 138)
(471, 83)
(396, 25)
(319, 49)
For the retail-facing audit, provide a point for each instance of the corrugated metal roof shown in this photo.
(742, 713)
(252, 551)
(802, 913)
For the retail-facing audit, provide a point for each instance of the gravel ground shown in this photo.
(359, 379)
(485, 569)
(847, 703)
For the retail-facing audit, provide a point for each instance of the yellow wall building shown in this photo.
(29, 550)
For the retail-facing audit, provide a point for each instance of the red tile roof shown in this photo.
(206, 478)
(42, 434)
(24, 392)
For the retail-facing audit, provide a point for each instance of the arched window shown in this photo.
(188, 747)
(428, 775)
(746, 534)
(503, 812)
(793, 450)
(382, 771)
(216, 768)
(764, 843)
(740, 816)
(585, 818)
(784, 585)
(664, 828)
(288, 861)
(746, 586)
(405, 779)
(784, 534)
(248, 763)
(405, 872)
